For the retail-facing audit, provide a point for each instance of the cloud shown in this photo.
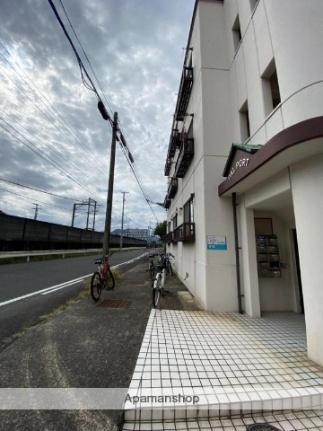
(135, 47)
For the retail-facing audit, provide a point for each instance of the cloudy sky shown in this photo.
(51, 134)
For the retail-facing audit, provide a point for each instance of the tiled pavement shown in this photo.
(231, 363)
(283, 421)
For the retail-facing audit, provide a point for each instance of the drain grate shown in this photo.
(115, 303)
(261, 427)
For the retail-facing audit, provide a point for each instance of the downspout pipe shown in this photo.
(237, 248)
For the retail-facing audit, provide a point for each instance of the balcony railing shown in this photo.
(172, 188)
(185, 156)
(168, 165)
(167, 202)
(184, 94)
(174, 142)
(184, 233)
(169, 237)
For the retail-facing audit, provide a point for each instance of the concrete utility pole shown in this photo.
(73, 215)
(36, 211)
(88, 213)
(122, 218)
(94, 214)
(107, 229)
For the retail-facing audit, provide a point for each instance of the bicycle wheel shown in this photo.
(96, 286)
(110, 282)
(169, 269)
(157, 291)
(156, 298)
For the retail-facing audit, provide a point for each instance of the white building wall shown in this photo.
(224, 79)
(221, 289)
(190, 269)
(307, 184)
(279, 30)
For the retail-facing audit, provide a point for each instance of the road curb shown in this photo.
(31, 257)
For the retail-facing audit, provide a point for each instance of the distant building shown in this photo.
(144, 234)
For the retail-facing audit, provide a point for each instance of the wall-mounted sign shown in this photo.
(217, 242)
(241, 163)
(239, 160)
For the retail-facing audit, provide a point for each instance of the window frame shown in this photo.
(271, 88)
(245, 128)
(188, 208)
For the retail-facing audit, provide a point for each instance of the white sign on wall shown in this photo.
(217, 242)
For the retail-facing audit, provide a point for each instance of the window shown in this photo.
(244, 122)
(189, 211)
(271, 88)
(236, 31)
(169, 227)
(175, 222)
(253, 4)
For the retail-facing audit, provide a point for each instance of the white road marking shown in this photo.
(69, 283)
(66, 284)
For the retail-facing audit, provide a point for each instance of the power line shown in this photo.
(91, 86)
(139, 184)
(85, 55)
(48, 106)
(29, 144)
(25, 186)
(60, 158)
(22, 196)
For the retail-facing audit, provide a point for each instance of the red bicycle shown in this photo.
(102, 279)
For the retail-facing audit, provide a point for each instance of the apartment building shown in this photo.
(245, 160)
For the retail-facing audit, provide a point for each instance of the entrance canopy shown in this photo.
(249, 165)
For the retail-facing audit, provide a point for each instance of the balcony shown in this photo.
(169, 237)
(185, 156)
(172, 188)
(167, 203)
(184, 94)
(168, 165)
(184, 233)
(174, 142)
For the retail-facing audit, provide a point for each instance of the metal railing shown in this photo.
(184, 93)
(184, 233)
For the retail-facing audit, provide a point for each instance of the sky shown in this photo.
(52, 136)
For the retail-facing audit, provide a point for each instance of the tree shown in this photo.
(161, 229)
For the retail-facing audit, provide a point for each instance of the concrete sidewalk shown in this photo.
(81, 345)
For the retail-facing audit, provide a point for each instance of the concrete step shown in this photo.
(151, 406)
(284, 421)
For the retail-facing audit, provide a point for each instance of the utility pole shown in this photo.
(88, 213)
(36, 211)
(107, 229)
(94, 214)
(73, 216)
(122, 218)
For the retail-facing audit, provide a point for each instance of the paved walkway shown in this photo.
(230, 363)
(81, 345)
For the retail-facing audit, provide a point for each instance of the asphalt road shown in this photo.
(17, 281)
